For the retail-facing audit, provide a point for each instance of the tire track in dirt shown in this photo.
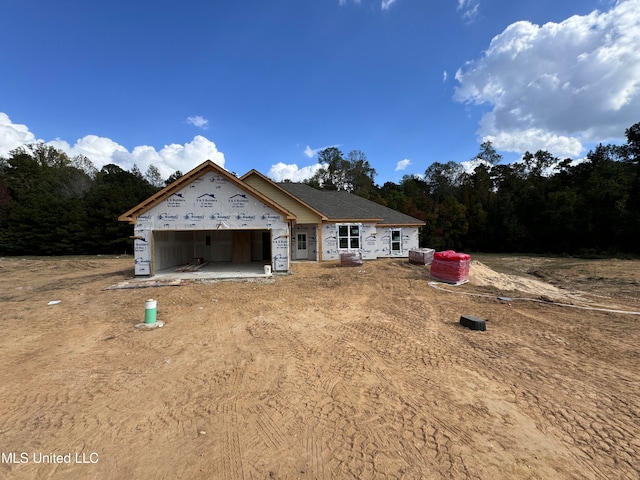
(383, 386)
(231, 461)
(313, 453)
(268, 429)
(601, 426)
(327, 407)
(382, 349)
(302, 377)
(392, 343)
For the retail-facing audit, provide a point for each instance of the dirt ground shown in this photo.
(328, 373)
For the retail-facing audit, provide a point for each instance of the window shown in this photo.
(396, 240)
(302, 241)
(349, 237)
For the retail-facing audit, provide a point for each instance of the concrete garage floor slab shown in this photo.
(216, 271)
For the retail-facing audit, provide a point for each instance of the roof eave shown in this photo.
(354, 220)
(322, 216)
(421, 224)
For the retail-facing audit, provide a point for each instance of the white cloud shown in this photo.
(311, 152)
(198, 121)
(100, 150)
(469, 9)
(445, 75)
(534, 139)
(386, 4)
(470, 165)
(191, 154)
(103, 151)
(281, 171)
(560, 85)
(13, 135)
(403, 164)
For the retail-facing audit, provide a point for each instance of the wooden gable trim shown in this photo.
(155, 199)
(279, 188)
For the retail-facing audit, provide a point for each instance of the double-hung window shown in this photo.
(349, 236)
(396, 241)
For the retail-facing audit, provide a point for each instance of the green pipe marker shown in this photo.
(150, 308)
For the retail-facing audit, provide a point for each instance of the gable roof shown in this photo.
(208, 166)
(345, 206)
(284, 191)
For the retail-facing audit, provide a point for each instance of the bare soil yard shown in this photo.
(328, 373)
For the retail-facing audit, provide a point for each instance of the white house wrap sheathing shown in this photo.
(210, 203)
(409, 238)
(375, 241)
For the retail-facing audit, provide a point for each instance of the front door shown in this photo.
(301, 247)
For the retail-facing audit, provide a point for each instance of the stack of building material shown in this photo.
(350, 259)
(421, 256)
(450, 267)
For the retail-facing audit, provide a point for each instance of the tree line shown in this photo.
(540, 204)
(52, 204)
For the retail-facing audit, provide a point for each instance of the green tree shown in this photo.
(43, 155)
(393, 197)
(632, 221)
(333, 174)
(116, 192)
(153, 176)
(633, 142)
(477, 194)
(82, 163)
(604, 185)
(506, 231)
(443, 179)
(361, 175)
(5, 201)
(353, 174)
(44, 214)
(135, 170)
(446, 226)
(538, 164)
(488, 153)
(173, 177)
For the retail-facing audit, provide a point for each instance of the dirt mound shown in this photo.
(482, 275)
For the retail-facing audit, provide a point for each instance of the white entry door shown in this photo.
(301, 247)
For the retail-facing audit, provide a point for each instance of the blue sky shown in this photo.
(267, 84)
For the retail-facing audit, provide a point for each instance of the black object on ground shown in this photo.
(474, 323)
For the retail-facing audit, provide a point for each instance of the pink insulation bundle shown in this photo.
(450, 267)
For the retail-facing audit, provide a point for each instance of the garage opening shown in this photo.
(211, 250)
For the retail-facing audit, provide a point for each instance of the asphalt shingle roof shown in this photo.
(343, 205)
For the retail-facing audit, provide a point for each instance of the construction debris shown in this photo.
(127, 284)
(194, 266)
